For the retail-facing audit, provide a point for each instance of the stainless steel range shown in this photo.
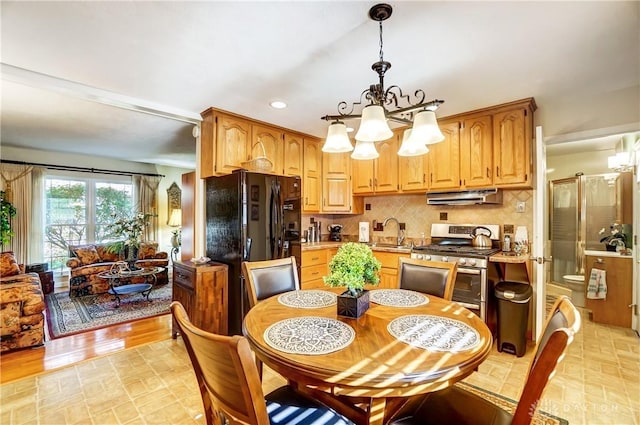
(454, 243)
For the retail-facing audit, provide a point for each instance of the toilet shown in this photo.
(575, 282)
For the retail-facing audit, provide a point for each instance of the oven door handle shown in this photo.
(469, 271)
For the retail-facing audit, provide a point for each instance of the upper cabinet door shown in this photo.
(268, 141)
(512, 147)
(293, 154)
(414, 172)
(312, 175)
(232, 140)
(386, 166)
(362, 175)
(476, 152)
(444, 158)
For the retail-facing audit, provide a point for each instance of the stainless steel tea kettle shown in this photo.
(480, 240)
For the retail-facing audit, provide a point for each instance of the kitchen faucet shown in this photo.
(400, 230)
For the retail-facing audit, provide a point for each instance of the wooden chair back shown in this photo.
(271, 277)
(430, 277)
(226, 374)
(562, 323)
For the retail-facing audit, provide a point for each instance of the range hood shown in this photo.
(466, 197)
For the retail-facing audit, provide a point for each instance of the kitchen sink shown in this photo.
(388, 245)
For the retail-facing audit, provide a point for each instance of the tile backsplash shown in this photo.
(418, 216)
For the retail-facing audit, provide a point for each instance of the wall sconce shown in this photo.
(624, 160)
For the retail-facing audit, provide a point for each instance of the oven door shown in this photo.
(470, 290)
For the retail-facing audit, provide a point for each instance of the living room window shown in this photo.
(78, 210)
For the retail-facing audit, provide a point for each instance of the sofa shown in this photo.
(21, 306)
(87, 261)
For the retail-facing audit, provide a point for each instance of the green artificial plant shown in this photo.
(7, 211)
(353, 266)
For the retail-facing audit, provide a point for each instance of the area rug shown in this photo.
(539, 418)
(67, 316)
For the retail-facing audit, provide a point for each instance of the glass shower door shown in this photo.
(565, 228)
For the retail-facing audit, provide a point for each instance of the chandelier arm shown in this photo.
(341, 117)
(432, 105)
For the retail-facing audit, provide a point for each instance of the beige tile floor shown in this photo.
(597, 383)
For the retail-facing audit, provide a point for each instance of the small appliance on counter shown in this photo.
(335, 232)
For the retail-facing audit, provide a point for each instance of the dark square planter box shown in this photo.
(350, 306)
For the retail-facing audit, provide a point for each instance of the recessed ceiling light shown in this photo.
(278, 104)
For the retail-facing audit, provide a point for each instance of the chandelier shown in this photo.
(624, 160)
(383, 105)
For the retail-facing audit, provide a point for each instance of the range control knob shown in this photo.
(472, 262)
(427, 257)
(418, 256)
(445, 259)
(462, 261)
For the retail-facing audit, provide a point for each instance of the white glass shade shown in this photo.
(176, 218)
(364, 150)
(373, 126)
(410, 147)
(425, 128)
(337, 139)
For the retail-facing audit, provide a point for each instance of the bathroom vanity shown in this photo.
(617, 308)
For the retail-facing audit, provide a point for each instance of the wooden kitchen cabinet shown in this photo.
(272, 140)
(311, 175)
(293, 153)
(224, 142)
(476, 152)
(389, 270)
(378, 175)
(337, 195)
(203, 291)
(616, 309)
(444, 158)
(512, 144)
(314, 267)
(414, 172)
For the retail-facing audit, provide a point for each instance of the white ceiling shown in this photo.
(183, 57)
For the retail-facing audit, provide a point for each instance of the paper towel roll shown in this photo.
(363, 231)
(521, 234)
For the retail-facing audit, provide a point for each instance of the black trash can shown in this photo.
(513, 316)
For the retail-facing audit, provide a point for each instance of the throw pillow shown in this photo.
(8, 264)
(147, 250)
(87, 254)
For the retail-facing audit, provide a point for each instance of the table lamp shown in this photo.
(175, 220)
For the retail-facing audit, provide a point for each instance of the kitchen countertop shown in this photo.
(514, 259)
(311, 246)
(597, 253)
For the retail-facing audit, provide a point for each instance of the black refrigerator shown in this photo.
(250, 217)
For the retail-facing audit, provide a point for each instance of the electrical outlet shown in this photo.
(520, 206)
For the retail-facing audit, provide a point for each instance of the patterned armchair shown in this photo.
(87, 261)
(21, 306)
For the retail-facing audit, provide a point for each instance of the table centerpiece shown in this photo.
(353, 266)
(131, 228)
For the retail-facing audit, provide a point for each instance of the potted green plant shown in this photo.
(7, 211)
(353, 266)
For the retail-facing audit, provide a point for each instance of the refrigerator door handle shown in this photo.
(247, 250)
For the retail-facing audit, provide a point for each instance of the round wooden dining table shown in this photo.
(369, 368)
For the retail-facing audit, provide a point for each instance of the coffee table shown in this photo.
(115, 277)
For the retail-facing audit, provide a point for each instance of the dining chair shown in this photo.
(430, 277)
(271, 277)
(230, 387)
(268, 278)
(455, 405)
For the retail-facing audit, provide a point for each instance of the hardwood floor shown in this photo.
(62, 352)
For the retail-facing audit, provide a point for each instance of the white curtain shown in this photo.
(146, 192)
(23, 187)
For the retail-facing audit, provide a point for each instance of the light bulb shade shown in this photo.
(425, 128)
(373, 126)
(175, 220)
(364, 150)
(337, 139)
(410, 147)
